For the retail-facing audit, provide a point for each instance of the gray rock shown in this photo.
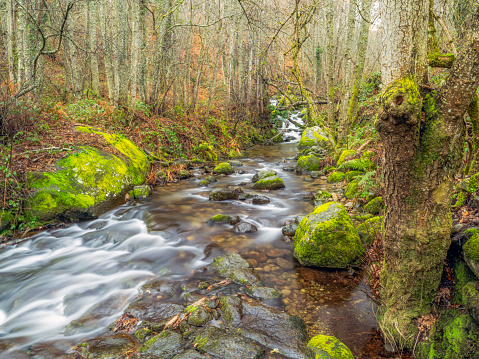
(165, 345)
(189, 354)
(223, 219)
(298, 219)
(245, 227)
(235, 163)
(199, 317)
(147, 308)
(184, 174)
(225, 194)
(140, 192)
(317, 174)
(227, 345)
(263, 292)
(108, 347)
(289, 169)
(261, 200)
(231, 309)
(290, 229)
(262, 175)
(236, 268)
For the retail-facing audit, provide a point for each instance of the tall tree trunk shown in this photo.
(330, 64)
(422, 137)
(92, 45)
(122, 7)
(135, 51)
(107, 51)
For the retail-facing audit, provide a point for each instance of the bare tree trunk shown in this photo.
(122, 7)
(92, 46)
(330, 64)
(107, 51)
(135, 52)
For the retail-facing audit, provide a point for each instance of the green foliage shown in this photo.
(370, 86)
(85, 110)
(144, 108)
(369, 183)
(205, 151)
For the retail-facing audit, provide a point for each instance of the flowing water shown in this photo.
(59, 275)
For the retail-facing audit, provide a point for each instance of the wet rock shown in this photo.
(307, 164)
(290, 229)
(245, 227)
(204, 183)
(283, 263)
(327, 238)
(223, 168)
(327, 347)
(241, 172)
(227, 345)
(457, 228)
(317, 174)
(271, 183)
(140, 192)
(211, 179)
(231, 309)
(147, 308)
(165, 345)
(261, 200)
(225, 194)
(109, 347)
(165, 288)
(374, 206)
(274, 329)
(289, 169)
(189, 354)
(223, 219)
(313, 136)
(298, 219)
(262, 175)
(236, 268)
(184, 174)
(263, 292)
(352, 175)
(235, 163)
(199, 316)
(57, 349)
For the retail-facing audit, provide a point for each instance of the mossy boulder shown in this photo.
(344, 155)
(225, 194)
(313, 136)
(184, 174)
(140, 192)
(374, 206)
(271, 183)
(471, 253)
(470, 297)
(223, 219)
(165, 345)
(455, 335)
(462, 276)
(352, 189)
(370, 228)
(327, 238)
(263, 174)
(327, 347)
(336, 177)
(308, 164)
(87, 182)
(112, 346)
(223, 168)
(6, 219)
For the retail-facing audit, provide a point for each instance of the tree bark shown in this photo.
(422, 137)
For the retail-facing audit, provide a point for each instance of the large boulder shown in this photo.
(271, 183)
(263, 174)
(307, 164)
(327, 347)
(223, 168)
(225, 194)
(87, 182)
(313, 136)
(327, 238)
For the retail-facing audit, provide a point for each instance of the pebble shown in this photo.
(285, 292)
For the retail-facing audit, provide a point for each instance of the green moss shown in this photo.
(322, 196)
(471, 248)
(204, 183)
(200, 342)
(219, 218)
(6, 218)
(336, 177)
(362, 217)
(374, 206)
(460, 200)
(370, 228)
(225, 309)
(462, 276)
(308, 163)
(471, 232)
(405, 87)
(345, 154)
(472, 183)
(352, 189)
(327, 347)
(140, 192)
(223, 168)
(327, 238)
(272, 182)
(312, 136)
(359, 164)
(263, 174)
(350, 175)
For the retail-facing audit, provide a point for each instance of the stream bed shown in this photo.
(55, 277)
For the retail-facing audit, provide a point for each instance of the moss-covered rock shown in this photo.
(344, 154)
(351, 175)
(223, 219)
(225, 194)
(203, 183)
(462, 276)
(308, 164)
(263, 174)
(272, 182)
(336, 177)
(184, 174)
(263, 292)
(455, 335)
(471, 253)
(374, 206)
(112, 346)
(313, 136)
(370, 228)
(199, 316)
(352, 189)
(470, 297)
(165, 345)
(88, 182)
(236, 268)
(140, 192)
(224, 168)
(327, 347)
(6, 219)
(327, 238)
(322, 197)
(363, 164)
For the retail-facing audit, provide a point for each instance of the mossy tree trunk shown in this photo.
(422, 135)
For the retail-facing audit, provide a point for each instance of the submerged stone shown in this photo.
(327, 238)
(236, 268)
(246, 227)
(290, 229)
(327, 347)
(223, 219)
(184, 174)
